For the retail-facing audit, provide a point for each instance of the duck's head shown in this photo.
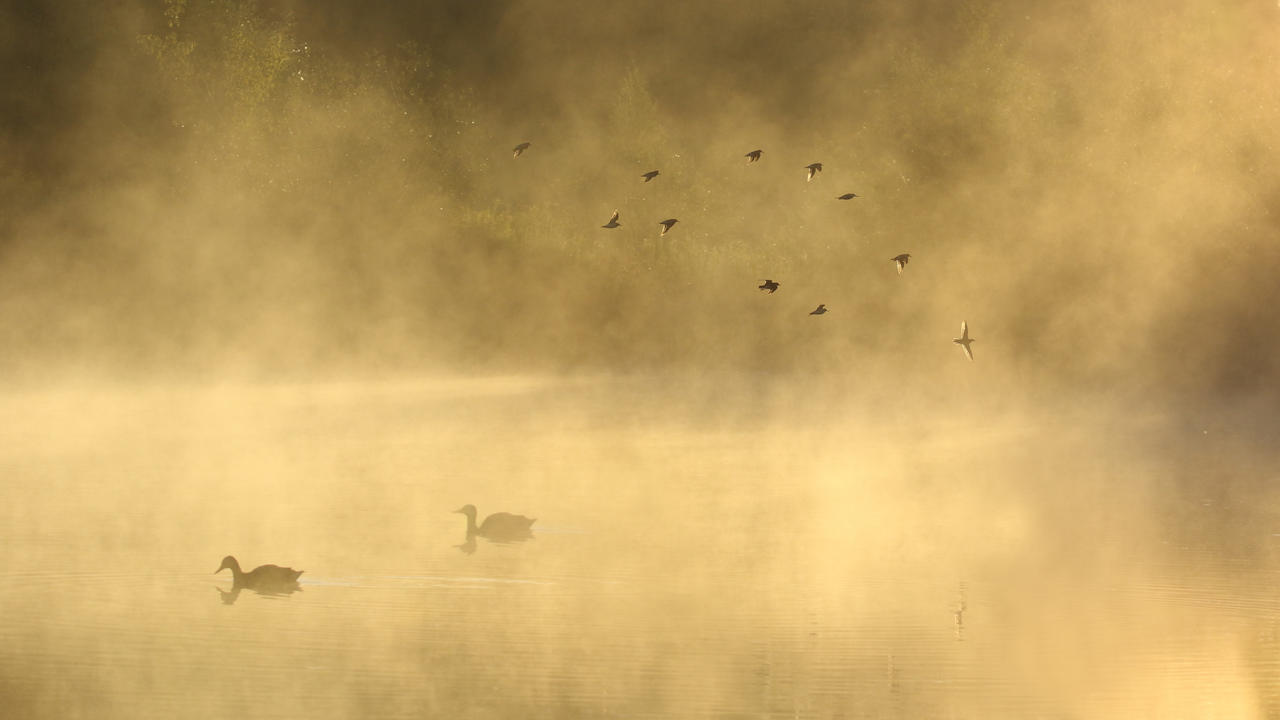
(227, 562)
(468, 510)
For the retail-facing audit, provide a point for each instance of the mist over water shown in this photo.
(272, 284)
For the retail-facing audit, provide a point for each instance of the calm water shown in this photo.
(690, 559)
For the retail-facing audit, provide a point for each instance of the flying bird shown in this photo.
(770, 286)
(820, 310)
(519, 149)
(498, 527)
(753, 156)
(666, 225)
(613, 221)
(901, 261)
(846, 196)
(650, 175)
(964, 340)
(814, 169)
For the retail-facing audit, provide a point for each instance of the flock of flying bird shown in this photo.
(771, 286)
(505, 527)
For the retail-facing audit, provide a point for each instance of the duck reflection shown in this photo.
(468, 547)
(264, 580)
(499, 527)
(959, 615)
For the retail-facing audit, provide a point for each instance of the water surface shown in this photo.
(789, 556)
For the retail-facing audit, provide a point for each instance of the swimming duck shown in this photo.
(848, 196)
(498, 526)
(263, 577)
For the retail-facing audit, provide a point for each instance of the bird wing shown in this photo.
(967, 352)
(964, 330)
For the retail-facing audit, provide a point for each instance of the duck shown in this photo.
(848, 196)
(820, 310)
(263, 577)
(753, 156)
(769, 286)
(650, 175)
(901, 261)
(814, 169)
(500, 527)
(613, 221)
(519, 149)
(666, 225)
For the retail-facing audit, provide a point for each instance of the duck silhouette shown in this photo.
(820, 310)
(769, 286)
(901, 261)
(814, 169)
(650, 175)
(753, 156)
(613, 221)
(264, 579)
(848, 196)
(498, 527)
(517, 150)
(666, 226)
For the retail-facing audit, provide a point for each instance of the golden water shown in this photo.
(690, 559)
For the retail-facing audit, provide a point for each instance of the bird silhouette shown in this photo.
(498, 527)
(848, 196)
(964, 340)
(901, 261)
(264, 579)
(753, 156)
(515, 152)
(650, 175)
(770, 286)
(613, 221)
(814, 169)
(666, 225)
(820, 310)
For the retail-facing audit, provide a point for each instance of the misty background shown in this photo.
(273, 285)
(282, 189)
